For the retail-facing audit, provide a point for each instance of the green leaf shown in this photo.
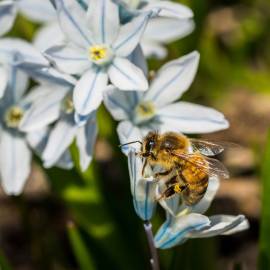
(4, 264)
(264, 256)
(81, 253)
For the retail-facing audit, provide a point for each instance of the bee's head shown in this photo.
(150, 144)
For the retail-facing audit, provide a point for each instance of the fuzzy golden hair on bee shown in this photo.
(184, 163)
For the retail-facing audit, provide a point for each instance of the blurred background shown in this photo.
(67, 220)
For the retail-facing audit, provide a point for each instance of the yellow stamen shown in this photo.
(98, 52)
(13, 116)
(68, 105)
(145, 109)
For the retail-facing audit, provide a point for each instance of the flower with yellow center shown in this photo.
(100, 54)
(13, 116)
(68, 105)
(144, 111)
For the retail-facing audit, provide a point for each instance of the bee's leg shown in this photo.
(144, 166)
(160, 174)
(174, 186)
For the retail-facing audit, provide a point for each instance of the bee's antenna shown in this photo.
(130, 143)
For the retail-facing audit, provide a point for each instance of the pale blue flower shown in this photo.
(142, 190)
(98, 48)
(58, 106)
(156, 108)
(15, 153)
(182, 221)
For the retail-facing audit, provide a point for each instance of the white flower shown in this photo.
(15, 153)
(174, 21)
(156, 110)
(58, 106)
(182, 222)
(98, 48)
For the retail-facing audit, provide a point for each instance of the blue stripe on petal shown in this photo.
(73, 21)
(167, 84)
(128, 38)
(103, 16)
(180, 236)
(91, 89)
(124, 74)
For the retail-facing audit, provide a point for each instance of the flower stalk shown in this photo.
(154, 261)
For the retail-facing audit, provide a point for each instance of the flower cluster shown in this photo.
(93, 51)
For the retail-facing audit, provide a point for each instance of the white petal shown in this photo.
(103, 20)
(130, 35)
(153, 49)
(191, 118)
(48, 36)
(60, 139)
(17, 51)
(173, 79)
(17, 84)
(244, 225)
(8, 12)
(86, 139)
(176, 230)
(166, 30)
(220, 224)
(45, 110)
(126, 76)
(45, 74)
(65, 161)
(117, 103)
(143, 191)
(88, 91)
(3, 80)
(169, 9)
(127, 132)
(69, 59)
(37, 140)
(37, 10)
(15, 162)
(73, 21)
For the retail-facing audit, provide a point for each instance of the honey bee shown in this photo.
(183, 164)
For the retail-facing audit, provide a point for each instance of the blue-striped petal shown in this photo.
(173, 79)
(142, 190)
(69, 59)
(88, 92)
(61, 136)
(130, 34)
(117, 103)
(73, 21)
(176, 230)
(103, 20)
(45, 109)
(190, 118)
(222, 224)
(15, 162)
(85, 140)
(169, 9)
(127, 132)
(126, 76)
(8, 12)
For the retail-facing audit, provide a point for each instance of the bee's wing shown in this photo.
(208, 148)
(208, 165)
